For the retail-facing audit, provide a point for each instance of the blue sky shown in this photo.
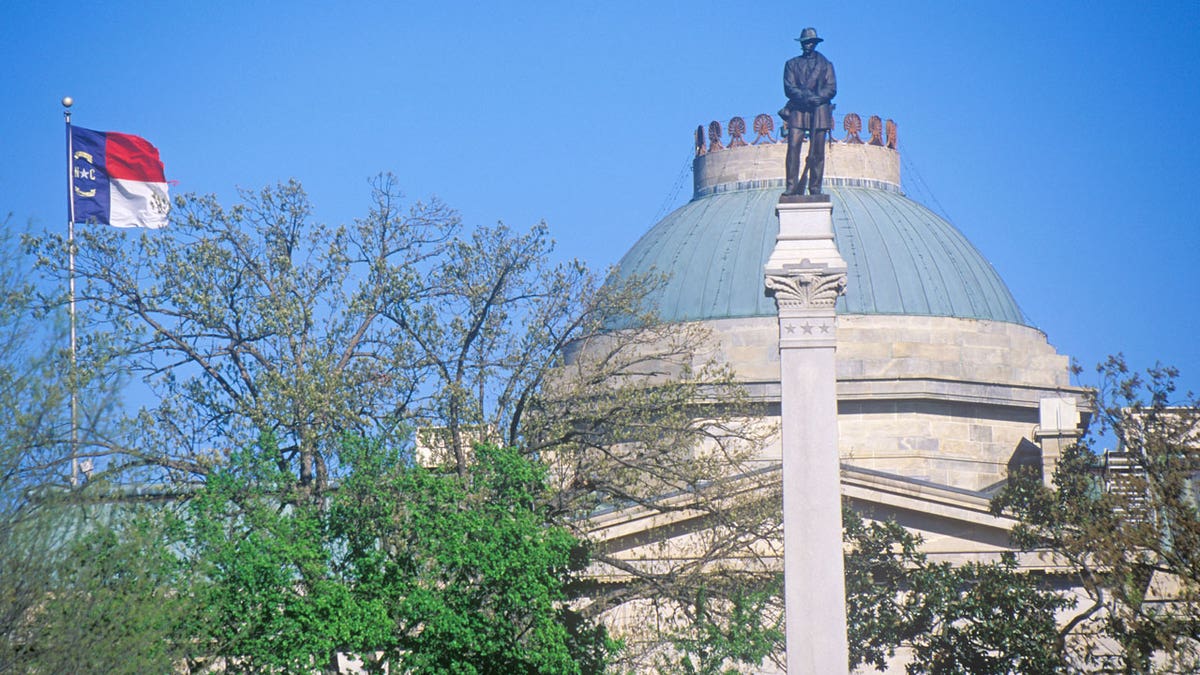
(1059, 137)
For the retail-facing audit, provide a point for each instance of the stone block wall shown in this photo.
(937, 398)
(992, 352)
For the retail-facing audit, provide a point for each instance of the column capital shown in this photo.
(806, 288)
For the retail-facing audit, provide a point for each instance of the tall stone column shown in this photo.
(807, 274)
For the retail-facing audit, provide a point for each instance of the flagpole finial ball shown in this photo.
(67, 101)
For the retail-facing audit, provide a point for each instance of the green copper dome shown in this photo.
(903, 259)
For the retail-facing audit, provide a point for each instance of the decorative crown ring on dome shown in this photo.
(883, 133)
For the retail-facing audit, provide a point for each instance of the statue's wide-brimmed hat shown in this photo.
(808, 35)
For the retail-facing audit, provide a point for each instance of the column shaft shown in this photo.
(807, 275)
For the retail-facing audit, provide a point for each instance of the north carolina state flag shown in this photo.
(117, 179)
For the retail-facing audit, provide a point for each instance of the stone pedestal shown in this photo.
(807, 275)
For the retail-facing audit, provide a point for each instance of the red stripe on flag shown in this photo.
(133, 158)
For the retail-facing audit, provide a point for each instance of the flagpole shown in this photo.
(73, 378)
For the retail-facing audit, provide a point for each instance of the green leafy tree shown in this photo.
(748, 631)
(407, 568)
(112, 598)
(25, 456)
(33, 391)
(983, 618)
(973, 618)
(79, 592)
(271, 598)
(1127, 529)
(485, 585)
(878, 561)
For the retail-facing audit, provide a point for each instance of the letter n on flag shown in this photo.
(117, 179)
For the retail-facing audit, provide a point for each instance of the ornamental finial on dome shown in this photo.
(852, 124)
(764, 126)
(737, 129)
(714, 136)
(875, 126)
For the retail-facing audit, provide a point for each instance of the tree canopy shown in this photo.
(403, 567)
(1125, 525)
(407, 329)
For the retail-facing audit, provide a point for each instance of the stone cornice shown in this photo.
(932, 389)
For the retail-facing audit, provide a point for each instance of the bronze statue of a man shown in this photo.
(809, 84)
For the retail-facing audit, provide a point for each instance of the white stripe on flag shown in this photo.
(136, 204)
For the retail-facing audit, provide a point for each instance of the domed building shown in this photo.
(941, 379)
(940, 376)
(942, 383)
